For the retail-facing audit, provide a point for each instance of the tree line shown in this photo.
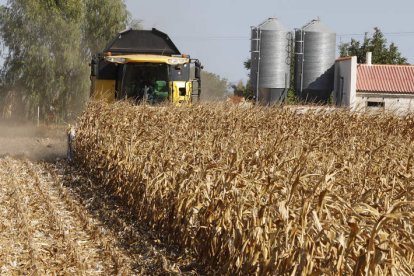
(48, 45)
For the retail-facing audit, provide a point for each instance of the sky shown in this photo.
(218, 31)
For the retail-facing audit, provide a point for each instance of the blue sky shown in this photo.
(217, 31)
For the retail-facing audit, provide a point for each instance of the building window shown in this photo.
(375, 104)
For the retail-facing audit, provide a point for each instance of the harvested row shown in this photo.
(45, 231)
(55, 220)
(36, 222)
(263, 190)
(119, 227)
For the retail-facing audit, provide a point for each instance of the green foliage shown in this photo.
(214, 87)
(248, 92)
(377, 44)
(49, 47)
(243, 90)
(238, 89)
(248, 64)
(104, 18)
(291, 96)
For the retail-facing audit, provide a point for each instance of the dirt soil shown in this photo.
(32, 142)
(56, 220)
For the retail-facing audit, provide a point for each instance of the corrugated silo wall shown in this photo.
(274, 66)
(316, 67)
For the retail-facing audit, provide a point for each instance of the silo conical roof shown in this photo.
(272, 24)
(316, 26)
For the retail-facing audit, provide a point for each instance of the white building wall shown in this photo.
(345, 82)
(398, 103)
(345, 94)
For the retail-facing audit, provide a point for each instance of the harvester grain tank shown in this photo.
(145, 66)
(315, 46)
(270, 61)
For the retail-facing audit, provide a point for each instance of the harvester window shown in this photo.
(145, 82)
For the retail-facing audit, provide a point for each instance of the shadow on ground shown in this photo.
(150, 256)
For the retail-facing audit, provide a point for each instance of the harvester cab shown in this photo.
(145, 66)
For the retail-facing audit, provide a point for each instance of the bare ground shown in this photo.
(35, 143)
(56, 220)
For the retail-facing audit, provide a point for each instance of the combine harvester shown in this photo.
(143, 66)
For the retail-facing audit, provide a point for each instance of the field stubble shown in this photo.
(263, 190)
(58, 221)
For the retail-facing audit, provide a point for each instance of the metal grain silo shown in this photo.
(315, 47)
(270, 61)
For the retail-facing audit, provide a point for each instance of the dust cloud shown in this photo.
(36, 143)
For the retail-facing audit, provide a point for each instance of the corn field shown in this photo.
(263, 190)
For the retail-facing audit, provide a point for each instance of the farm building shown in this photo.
(373, 86)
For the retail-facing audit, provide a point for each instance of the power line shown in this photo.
(213, 37)
(388, 33)
(232, 37)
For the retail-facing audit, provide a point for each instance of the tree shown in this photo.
(248, 92)
(214, 87)
(135, 24)
(243, 90)
(104, 19)
(248, 64)
(377, 44)
(49, 45)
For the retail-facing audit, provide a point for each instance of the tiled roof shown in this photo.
(385, 78)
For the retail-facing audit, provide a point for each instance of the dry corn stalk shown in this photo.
(263, 190)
